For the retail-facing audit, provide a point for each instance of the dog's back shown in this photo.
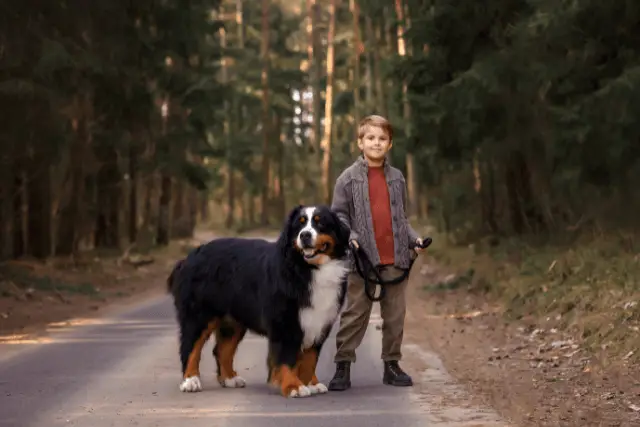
(225, 276)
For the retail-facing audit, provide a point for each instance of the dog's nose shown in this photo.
(305, 236)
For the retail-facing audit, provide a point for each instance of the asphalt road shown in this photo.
(123, 370)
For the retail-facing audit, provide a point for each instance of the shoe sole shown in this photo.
(397, 384)
(334, 388)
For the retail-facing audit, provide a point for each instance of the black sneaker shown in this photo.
(342, 378)
(395, 376)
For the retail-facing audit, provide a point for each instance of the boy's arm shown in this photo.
(340, 205)
(413, 235)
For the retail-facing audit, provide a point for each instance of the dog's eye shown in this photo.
(303, 220)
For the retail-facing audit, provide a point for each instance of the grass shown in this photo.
(590, 288)
(24, 279)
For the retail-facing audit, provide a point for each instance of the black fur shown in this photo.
(259, 285)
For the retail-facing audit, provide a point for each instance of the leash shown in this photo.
(360, 256)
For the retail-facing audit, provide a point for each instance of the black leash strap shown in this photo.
(360, 256)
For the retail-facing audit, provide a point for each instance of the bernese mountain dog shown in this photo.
(289, 291)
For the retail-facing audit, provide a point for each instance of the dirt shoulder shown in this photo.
(34, 294)
(534, 370)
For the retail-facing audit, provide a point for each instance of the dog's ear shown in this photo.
(287, 232)
(292, 215)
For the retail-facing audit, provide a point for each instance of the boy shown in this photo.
(369, 197)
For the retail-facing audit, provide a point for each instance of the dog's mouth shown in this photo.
(310, 253)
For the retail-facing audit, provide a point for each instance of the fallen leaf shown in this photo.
(635, 408)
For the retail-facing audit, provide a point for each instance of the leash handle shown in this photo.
(426, 242)
(360, 256)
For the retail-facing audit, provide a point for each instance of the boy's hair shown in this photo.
(375, 121)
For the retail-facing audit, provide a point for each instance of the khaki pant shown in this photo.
(355, 317)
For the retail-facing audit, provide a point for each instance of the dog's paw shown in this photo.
(235, 382)
(302, 391)
(191, 385)
(318, 388)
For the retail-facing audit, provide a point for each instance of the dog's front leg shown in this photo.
(307, 362)
(284, 373)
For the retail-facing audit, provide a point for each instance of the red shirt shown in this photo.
(381, 214)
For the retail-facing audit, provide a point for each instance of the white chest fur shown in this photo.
(325, 285)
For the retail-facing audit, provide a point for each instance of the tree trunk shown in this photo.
(133, 188)
(107, 224)
(328, 107)
(7, 195)
(39, 205)
(381, 105)
(20, 210)
(406, 114)
(315, 58)
(524, 212)
(266, 110)
(163, 235)
(180, 215)
(231, 192)
(280, 193)
(164, 210)
(204, 207)
(357, 50)
(73, 223)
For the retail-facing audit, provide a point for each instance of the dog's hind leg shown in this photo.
(193, 336)
(228, 337)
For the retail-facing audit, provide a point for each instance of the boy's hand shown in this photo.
(354, 243)
(419, 248)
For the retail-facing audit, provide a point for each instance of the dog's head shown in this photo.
(317, 234)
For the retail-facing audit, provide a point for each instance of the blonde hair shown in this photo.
(375, 121)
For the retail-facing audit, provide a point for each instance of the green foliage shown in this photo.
(543, 94)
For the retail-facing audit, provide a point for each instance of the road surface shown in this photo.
(123, 370)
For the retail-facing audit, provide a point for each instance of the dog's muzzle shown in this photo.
(308, 245)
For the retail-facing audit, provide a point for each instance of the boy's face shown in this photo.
(375, 143)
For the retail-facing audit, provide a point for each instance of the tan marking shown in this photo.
(319, 259)
(226, 352)
(288, 380)
(193, 363)
(325, 239)
(306, 367)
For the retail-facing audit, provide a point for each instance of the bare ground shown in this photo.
(530, 370)
(35, 293)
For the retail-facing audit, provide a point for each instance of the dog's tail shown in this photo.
(171, 282)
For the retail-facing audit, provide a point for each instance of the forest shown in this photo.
(126, 119)
(129, 125)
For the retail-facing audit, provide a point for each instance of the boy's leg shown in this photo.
(354, 320)
(392, 311)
